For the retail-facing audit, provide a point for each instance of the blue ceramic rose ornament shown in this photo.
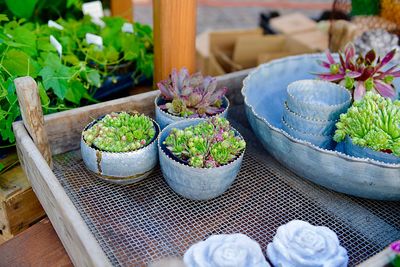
(300, 244)
(236, 250)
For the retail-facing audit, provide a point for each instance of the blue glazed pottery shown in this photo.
(364, 152)
(324, 141)
(234, 250)
(264, 92)
(306, 125)
(123, 167)
(318, 99)
(190, 182)
(164, 118)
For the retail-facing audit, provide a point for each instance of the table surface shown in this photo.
(37, 246)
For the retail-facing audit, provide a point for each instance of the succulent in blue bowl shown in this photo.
(200, 158)
(318, 99)
(120, 147)
(371, 129)
(184, 96)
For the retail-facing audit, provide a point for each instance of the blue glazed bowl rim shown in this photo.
(161, 147)
(127, 153)
(157, 98)
(311, 120)
(325, 137)
(292, 86)
(346, 157)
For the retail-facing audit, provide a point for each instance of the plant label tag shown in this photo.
(99, 22)
(127, 27)
(94, 39)
(53, 24)
(56, 45)
(93, 9)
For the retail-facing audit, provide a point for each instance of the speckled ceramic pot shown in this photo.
(164, 118)
(190, 182)
(123, 167)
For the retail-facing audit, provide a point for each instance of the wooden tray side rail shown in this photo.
(63, 132)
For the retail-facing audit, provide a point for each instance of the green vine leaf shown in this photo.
(22, 8)
(19, 63)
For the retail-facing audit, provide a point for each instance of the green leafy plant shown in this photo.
(373, 122)
(191, 95)
(120, 132)
(73, 79)
(209, 144)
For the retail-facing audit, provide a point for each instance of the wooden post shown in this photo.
(32, 115)
(122, 8)
(174, 36)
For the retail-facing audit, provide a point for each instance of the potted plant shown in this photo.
(120, 147)
(371, 128)
(361, 74)
(200, 158)
(184, 96)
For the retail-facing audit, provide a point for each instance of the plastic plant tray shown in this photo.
(102, 224)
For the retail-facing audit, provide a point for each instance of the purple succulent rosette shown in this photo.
(300, 244)
(236, 250)
(395, 247)
(191, 96)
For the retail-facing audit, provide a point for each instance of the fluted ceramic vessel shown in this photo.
(264, 92)
(164, 118)
(191, 182)
(121, 167)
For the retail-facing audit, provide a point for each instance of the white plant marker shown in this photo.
(93, 9)
(127, 27)
(53, 24)
(56, 45)
(94, 39)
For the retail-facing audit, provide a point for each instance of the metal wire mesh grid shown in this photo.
(144, 222)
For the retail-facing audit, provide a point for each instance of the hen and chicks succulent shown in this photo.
(209, 144)
(191, 95)
(373, 122)
(120, 132)
(361, 74)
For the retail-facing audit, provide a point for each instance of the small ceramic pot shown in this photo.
(225, 250)
(364, 152)
(164, 118)
(306, 125)
(190, 182)
(316, 99)
(322, 141)
(300, 244)
(121, 167)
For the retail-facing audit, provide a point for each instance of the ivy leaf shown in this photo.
(131, 47)
(18, 63)
(25, 36)
(22, 8)
(56, 79)
(75, 91)
(92, 77)
(44, 98)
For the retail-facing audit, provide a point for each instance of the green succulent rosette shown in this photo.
(373, 122)
(209, 144)
(120, 132)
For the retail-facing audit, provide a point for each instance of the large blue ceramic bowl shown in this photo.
(164, 118)
(264, 92)
(190, 182)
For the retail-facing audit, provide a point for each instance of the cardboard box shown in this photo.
(316, 40)
(215, 49)
(251, 51)
(292, 23)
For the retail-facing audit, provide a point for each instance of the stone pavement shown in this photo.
(225, 14)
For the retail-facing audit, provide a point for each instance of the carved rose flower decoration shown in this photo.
(300, 244)
(236, 250)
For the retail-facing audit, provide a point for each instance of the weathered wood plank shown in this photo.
(39, 246)
(32, 114)
(77, 239)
